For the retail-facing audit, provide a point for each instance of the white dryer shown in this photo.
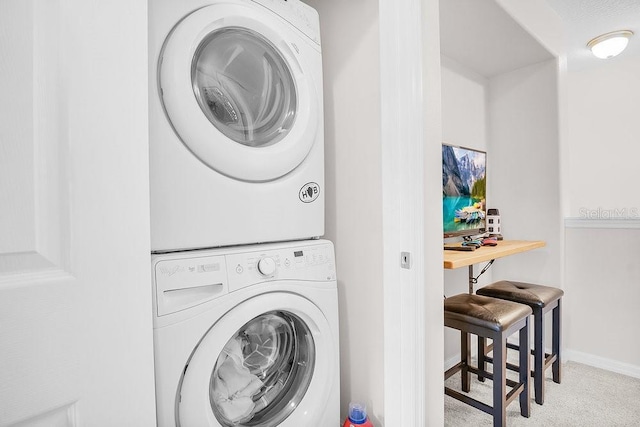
(247, 336)
(235, 123)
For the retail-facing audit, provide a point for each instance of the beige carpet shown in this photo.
(586, 397)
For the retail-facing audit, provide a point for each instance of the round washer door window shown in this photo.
(268, 361)
(238, 87)
(263, 371)
(244, 86)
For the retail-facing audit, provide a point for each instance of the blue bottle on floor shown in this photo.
(357, 416)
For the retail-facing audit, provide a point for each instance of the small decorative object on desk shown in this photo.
(357, 416)
(490, 241)
(493, 223)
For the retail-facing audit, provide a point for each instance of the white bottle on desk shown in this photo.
(493, 223)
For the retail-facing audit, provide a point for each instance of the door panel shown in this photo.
(75, 308)
(36, 220)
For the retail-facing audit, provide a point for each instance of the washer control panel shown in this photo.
(267, 266)
(184, 283)
(310, 263)
(185, 280)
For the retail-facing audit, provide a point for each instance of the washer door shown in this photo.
(267, 360)
(238, 92)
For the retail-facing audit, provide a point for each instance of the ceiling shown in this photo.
(586, 19)
(480, 35)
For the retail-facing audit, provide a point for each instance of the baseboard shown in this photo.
(451, 361)
(602, 363)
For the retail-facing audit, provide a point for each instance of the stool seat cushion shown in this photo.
(524, 293)
(490, 313)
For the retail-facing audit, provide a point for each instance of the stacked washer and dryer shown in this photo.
(244, 291)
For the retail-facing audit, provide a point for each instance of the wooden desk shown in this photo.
(457, 259)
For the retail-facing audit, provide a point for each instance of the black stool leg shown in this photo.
(538, 355)
(482, 363)
(556, 342)
(465, 356)
(524, 352)
(499, 381)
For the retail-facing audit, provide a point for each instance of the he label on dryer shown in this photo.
(309, 192)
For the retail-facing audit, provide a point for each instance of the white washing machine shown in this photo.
(247, 336)
(236, 129)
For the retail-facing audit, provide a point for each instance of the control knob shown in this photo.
(267, 266)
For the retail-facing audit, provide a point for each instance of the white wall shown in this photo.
(603, 205)
(464, 99)
(525, 169)
(464, 123)
(599, 131)
(603, 140)
(350, 44)
(602, 292)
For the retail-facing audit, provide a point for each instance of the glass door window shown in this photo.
(239, 89)
(244, 86)
(263, 371)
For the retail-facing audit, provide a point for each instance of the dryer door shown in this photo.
(267, 362)
(238, 91)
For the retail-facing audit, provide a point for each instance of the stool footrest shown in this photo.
(469, 400)
(453, 370)
(548, 361)
(515, 392)
(475, 370)
(515, 347)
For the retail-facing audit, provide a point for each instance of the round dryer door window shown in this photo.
(244, 87)
(237, 84)
(267, 369)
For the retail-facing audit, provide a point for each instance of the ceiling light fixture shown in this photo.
(610, 44)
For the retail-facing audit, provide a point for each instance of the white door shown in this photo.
(75, 313)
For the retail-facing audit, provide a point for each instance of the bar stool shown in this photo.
(494, 319)
(541, 299)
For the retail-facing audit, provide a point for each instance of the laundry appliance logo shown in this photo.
(170, 271)
(309, 192)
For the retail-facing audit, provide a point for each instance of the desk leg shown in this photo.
(466, 345)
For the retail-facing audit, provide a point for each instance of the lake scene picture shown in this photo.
(463, 189)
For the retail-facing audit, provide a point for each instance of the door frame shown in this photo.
(411, 135)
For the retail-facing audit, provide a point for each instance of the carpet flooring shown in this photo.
(586, 397)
